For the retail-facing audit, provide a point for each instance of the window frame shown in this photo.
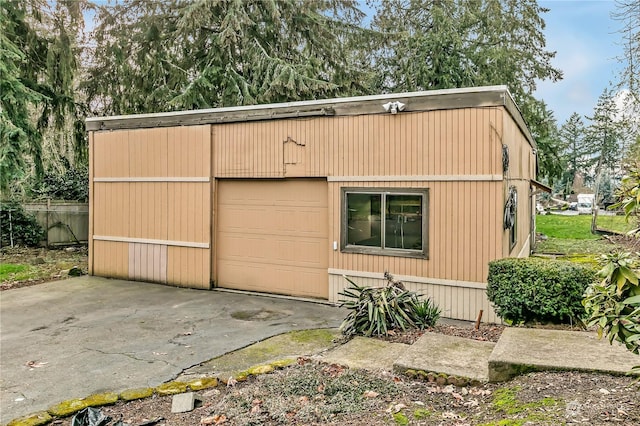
(382, 250)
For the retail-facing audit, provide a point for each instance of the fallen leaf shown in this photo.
(333, 370)
(448, 389)
(219, 419)
(207, 420)
(449, 415)
(371, 394)
(471, 403)
(398, 407)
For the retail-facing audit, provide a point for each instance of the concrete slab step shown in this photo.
(520, 350)
(366, 353)
(453, 356)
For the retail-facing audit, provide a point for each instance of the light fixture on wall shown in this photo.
(393, 107)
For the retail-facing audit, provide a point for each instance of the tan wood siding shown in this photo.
(272, 236)
(151, 188)
(455, 301)
(450, 142)
(188, 267)
(464, 218)
(111, 259)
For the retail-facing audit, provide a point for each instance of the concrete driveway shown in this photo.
(72, 338)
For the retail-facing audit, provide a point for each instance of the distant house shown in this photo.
(287, 198)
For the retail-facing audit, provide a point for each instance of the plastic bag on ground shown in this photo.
(92, 417)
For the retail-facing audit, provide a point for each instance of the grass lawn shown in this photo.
(15, 272)
(572, 234)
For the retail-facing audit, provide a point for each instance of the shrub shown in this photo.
(613, 304)
(70, 184)
(548, 291)
(376, 310)
(17, 225)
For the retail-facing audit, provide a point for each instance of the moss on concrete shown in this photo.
(35, 419)
(171, 388)
(274, 351)
(99, 399)
(281, 363)
(202, 383)
(316, 336)
(133, 394)
(260, 369)
(66, 408)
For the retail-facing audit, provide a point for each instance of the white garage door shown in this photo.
(273, 236)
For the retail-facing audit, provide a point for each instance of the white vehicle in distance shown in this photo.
(585, 203)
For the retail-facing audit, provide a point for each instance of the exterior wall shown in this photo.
(157, 197)
(522, 169)
(456, 154)
(448, 143)
(153, 195)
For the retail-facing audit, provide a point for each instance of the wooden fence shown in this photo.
(65, 222)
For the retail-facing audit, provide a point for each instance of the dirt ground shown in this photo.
(43, 264)
(313, 393)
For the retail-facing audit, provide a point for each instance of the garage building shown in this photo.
(287, 198)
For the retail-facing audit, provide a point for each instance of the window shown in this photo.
(385, 221)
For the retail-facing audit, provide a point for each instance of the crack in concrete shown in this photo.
(174, 341)
(133, 357)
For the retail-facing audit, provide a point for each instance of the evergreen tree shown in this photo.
(628, 13)
(604, 135)
(62, 114)
(544, 129)
(576, 154)
(172, 55)
(18, 94)
(41, 113)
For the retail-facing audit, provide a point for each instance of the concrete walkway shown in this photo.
(518, 351)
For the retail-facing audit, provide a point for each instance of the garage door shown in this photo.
(273, 236)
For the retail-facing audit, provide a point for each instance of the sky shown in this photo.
(585, 37)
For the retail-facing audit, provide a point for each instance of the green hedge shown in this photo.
(530, 289)
(18, 226)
